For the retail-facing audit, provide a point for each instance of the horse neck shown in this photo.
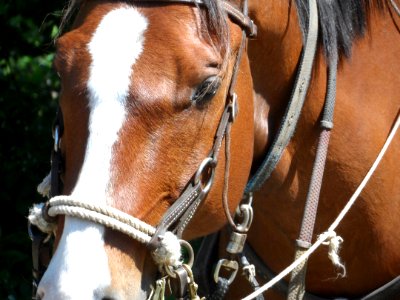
(367, 88)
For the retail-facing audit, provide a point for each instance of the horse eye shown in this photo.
(206, 90)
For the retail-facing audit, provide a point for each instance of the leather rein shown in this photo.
(177, 216)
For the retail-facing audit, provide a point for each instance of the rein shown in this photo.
(164, 240)
(391, 288)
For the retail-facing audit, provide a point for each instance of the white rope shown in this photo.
(45, 186)
(330, 233)
(167, 254)
(98, 218)
(334, 242)
(65, 201)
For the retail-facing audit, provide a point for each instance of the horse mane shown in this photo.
(341, 22)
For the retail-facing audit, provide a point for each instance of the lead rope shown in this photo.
(330, 233)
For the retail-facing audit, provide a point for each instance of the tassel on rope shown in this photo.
(169, 252)
(45, 186)
(36, 218)
(334, 243)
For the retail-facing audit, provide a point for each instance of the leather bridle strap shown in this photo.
(237, 16)
(56, 157)
(296, 102)
(183, 209)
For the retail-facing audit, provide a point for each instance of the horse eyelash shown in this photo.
(206, 90)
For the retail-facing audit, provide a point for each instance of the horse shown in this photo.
(168, 108)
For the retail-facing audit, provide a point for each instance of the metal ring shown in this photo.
(246, 212)
(206, 163)
(169, 269)
(189, 248)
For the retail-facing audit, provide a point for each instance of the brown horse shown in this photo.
(146, 86)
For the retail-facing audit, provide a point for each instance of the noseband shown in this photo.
(167, 235)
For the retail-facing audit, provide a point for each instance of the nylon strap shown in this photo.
(297, 281)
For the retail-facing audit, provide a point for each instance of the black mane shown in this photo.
(341, 22)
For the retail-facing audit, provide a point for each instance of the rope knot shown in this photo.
(334, 242)
(45, 186)
(36, 218)
(168, 252)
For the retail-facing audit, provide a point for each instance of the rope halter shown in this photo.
(168, 253)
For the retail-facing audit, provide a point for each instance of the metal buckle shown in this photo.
(230, 265)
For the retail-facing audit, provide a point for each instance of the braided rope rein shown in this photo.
(167, 254)
(330, 237)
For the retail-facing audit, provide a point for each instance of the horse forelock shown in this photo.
(341, 22)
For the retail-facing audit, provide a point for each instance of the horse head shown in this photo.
(148, 105)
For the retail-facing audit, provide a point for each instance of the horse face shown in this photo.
(143, 90)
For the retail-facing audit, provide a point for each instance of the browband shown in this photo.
(236, 15)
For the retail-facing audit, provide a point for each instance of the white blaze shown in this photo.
(79, 268)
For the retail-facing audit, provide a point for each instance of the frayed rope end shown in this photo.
(334, 243)
(45, 186)
(169, 252)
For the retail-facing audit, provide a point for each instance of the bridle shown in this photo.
(172, 225)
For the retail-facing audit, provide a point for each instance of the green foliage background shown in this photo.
(28, 101)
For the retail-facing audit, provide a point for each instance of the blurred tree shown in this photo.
(28, 101)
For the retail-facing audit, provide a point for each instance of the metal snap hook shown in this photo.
(245, 212)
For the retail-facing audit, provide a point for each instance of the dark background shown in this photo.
(28, 101)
